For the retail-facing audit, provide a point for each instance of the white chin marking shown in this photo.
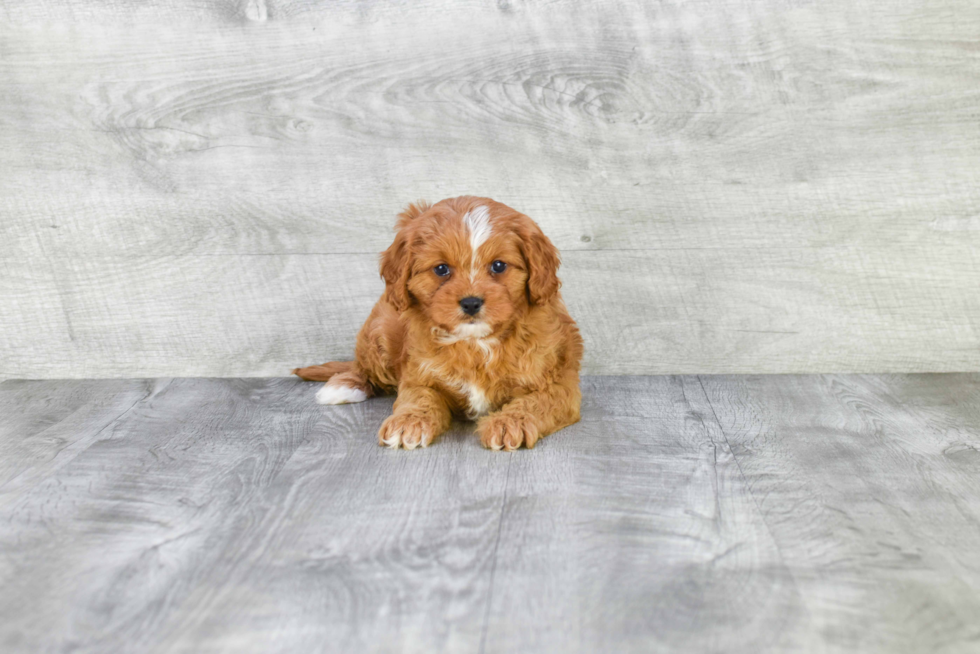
(472, 330)
(466, 331)
(339, 394)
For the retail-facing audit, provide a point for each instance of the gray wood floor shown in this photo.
(683, 514)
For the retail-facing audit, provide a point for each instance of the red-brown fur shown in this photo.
(527, 367)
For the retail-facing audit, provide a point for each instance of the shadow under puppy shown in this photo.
(471, 324)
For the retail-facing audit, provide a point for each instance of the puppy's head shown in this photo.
(472, 266)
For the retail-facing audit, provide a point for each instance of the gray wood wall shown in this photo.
(201, 188)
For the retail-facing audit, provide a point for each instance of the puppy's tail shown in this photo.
(325, 372)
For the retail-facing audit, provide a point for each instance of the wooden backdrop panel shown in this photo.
(202, 188)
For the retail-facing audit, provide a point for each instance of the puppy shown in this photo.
(470, 324)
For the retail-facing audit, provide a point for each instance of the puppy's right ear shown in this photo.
(396, 261)
(411, 212)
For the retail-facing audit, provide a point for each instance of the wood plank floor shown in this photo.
(829, 513)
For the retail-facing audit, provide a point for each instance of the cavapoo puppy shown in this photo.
(470, 324)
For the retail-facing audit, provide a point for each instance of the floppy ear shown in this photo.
(396, 261)
(411, 212)
(542, 263)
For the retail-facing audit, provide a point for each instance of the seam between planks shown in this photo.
(79, 446)
(493, 563)
(755, 501)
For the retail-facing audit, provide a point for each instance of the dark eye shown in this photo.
(442, 270)
(498, 266)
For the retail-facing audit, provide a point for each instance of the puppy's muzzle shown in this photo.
(471, 305)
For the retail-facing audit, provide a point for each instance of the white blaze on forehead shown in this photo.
(477, 221)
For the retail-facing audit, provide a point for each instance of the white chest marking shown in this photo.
(478, 404)
(476, 401)
(477, 221)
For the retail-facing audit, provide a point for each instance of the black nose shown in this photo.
(471, 304)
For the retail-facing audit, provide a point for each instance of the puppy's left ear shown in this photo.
(542, 263)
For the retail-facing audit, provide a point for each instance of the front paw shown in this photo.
(507, 431)
(406, 430)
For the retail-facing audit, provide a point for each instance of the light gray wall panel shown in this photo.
(722, 310)
(202, 188)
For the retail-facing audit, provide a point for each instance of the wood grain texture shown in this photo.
(869, 486)
(637, 533)
(695, 514)
(758, 310)
(239, 514)
(814, 166)
(44, 426)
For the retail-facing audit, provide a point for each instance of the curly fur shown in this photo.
(513, 367)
